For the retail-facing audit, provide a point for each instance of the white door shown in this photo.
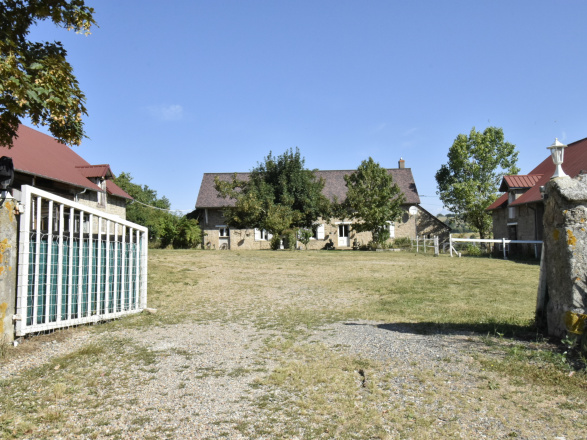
(343, 236)
(224, 238)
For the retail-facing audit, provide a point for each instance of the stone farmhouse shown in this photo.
(218, 235)
(517, 214)
(42, 162)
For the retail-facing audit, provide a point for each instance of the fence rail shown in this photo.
(503, 241)
(76, 264)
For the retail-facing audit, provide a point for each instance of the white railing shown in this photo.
(503, 241)
(76, 264)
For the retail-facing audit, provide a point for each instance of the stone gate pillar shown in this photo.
(8, 252)
(565, 255)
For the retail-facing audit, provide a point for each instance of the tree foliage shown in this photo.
(373, 200)
(36, 80)
(280, 194)
(469, 182)
(152, 212)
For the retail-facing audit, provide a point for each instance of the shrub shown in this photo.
(189, 234)
(289, 239)
(275, 242)
(403, 242)
(473, 250)
(304, 236)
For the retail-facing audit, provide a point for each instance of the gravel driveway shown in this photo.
(200, 384)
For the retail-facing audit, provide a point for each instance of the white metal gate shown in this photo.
(76, 264)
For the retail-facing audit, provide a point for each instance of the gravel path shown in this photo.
(199, 385)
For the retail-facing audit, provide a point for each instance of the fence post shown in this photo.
(8, 247)
(436, 246)
(450, 244)
(503, 246)
(417, 245)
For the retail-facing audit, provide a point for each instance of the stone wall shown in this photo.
(8, 263)
(565, 259)
(113, 205)
(245, 238)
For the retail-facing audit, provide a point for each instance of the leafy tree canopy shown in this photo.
(152, 218)
(373, 199)
(280, 194)
(36, 79)
(165, 227)
(469, 182)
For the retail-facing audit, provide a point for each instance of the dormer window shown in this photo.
(512, 210)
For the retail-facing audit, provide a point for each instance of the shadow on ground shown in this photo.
(520, 332)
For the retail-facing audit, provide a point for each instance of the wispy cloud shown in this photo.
(166, 112)
(410, 132)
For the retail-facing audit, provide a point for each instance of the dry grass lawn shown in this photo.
(495, 376)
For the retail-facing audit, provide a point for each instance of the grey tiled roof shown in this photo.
(334, 186)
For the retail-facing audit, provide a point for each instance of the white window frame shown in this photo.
(318, 232)
(512, 210)
(262, 235)
(223, 231)
(391, 229)
(344, 226)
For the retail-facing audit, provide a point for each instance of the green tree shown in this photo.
(373, 200)
(36, 80)
(188, 234)
(155, 216)
(280, 194)
(469, 182)
(305, 235)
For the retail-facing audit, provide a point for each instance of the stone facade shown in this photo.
(565, 260)
(104, 202)
(8, 253)
(213, 224)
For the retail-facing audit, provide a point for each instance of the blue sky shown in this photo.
(175, 89)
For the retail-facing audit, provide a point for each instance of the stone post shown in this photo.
(565, 255)
(8, 252)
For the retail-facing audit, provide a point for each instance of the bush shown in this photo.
(289, 239)
(275, 242)
(189, 234)
(180, 233)
(305, 235)
(473, 250)
(403, 242)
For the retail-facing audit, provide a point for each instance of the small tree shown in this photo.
(373, 200)
(469, 182)
(280, 194)
(36, 79)
(189, 234)
(305, 235)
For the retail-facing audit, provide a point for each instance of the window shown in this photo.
(262, 235)
(513, 210)
(391, 229)
(343, 230)
(318, 231)
(224, 232)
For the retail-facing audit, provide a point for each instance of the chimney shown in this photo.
(401, 164)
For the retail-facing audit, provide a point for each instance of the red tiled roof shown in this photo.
(40, 155)
(501, 200)
(519, 181)
(96, 171)
(334, 186)
(575, 160)
(113, 189)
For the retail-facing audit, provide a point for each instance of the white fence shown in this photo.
(76, 265)
(503, 241)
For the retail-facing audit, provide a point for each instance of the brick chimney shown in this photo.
(401, 164)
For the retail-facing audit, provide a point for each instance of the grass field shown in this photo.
(512, 372)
